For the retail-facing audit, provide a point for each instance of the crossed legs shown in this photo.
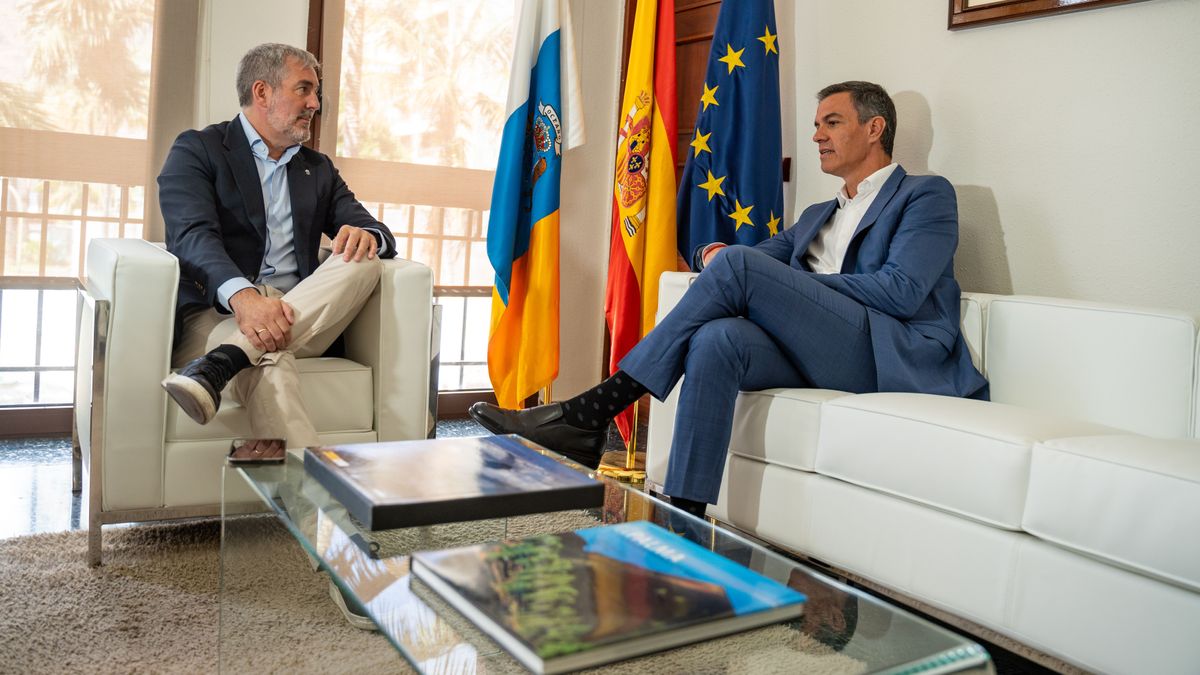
(748, 322)
(324, 303)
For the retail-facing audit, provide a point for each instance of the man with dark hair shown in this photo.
(859, 295)
(245, 206)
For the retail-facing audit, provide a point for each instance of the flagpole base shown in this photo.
(613, 466)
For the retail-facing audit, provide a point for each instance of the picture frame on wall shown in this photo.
(973, 13)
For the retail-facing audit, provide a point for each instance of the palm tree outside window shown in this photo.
(75, 88)
(414, 96)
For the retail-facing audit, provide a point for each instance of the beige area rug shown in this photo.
(153, 607)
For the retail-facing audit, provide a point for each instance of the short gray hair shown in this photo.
(266, 62)
(870, 100)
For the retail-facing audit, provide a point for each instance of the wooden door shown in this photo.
(695, 21)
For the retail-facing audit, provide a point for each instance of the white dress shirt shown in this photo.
(828, 248)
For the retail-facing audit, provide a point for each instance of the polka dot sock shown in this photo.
(595, 408)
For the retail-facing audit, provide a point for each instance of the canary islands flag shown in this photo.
(732, 185)
(522, 241)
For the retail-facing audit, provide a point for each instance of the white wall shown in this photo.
(228, 29)
(586, 195)
(1070, 139)
(793, 147)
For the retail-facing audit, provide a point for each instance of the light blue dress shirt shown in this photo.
(280, 269)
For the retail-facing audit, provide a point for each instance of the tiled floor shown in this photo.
(35, 482)
(35, 487)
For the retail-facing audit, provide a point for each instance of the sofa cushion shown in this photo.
(965, 456)
(780, 426)
(336, 392)
(192, 470)
(1124, 367)
(1130, 500)
(1099, 616)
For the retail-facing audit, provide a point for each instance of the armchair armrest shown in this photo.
(126, 328)
(391, 334)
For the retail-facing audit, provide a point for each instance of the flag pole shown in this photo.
(626, 470)
(631, 446)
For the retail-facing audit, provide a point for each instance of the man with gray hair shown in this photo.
(245, 206)
(859, 295)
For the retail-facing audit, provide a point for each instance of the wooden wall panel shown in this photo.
(694, 24)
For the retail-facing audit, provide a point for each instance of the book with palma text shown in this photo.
(562, 602)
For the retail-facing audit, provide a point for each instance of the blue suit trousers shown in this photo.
(747, 322)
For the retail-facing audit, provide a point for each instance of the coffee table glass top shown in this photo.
(842, 629)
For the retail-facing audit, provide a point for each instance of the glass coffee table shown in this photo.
(842, 629)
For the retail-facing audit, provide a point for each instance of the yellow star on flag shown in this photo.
(700, 143)
(768, 41)
(732, 58)
(740, 215)
(713, 185)
(709, 96)
(772, 224)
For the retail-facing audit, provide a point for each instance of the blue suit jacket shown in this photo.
(216, 223)
(900, 266)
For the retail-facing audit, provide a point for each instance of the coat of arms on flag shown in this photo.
(643, 230)
(522, 242)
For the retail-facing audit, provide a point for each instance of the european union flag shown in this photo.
(732, 185)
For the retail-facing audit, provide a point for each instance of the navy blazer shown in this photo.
(216, 222)
(900, 266)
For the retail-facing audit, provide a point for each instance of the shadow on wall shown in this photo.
(981, 263)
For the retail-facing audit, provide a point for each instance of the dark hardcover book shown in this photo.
(579, 599)
(410, 483)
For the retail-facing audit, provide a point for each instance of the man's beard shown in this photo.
(285, 124)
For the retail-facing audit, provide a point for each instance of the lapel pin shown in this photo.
(307, 172)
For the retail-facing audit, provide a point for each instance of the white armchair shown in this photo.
(147, 460)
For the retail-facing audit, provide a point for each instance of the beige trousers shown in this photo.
(324, 304)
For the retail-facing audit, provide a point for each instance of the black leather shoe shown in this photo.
(545, 426)
(197, 386)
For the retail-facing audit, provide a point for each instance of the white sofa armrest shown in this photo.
(392, 335)
(671, 287)
(973, 323)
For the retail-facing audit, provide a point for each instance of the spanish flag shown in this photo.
(544, 119)
(643, 227)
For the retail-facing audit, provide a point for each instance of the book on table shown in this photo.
(573, 600)
(426, 482)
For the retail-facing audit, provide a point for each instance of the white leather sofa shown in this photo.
(147, 460)
(1061, 516)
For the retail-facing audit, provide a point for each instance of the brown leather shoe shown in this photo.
(545, 426)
